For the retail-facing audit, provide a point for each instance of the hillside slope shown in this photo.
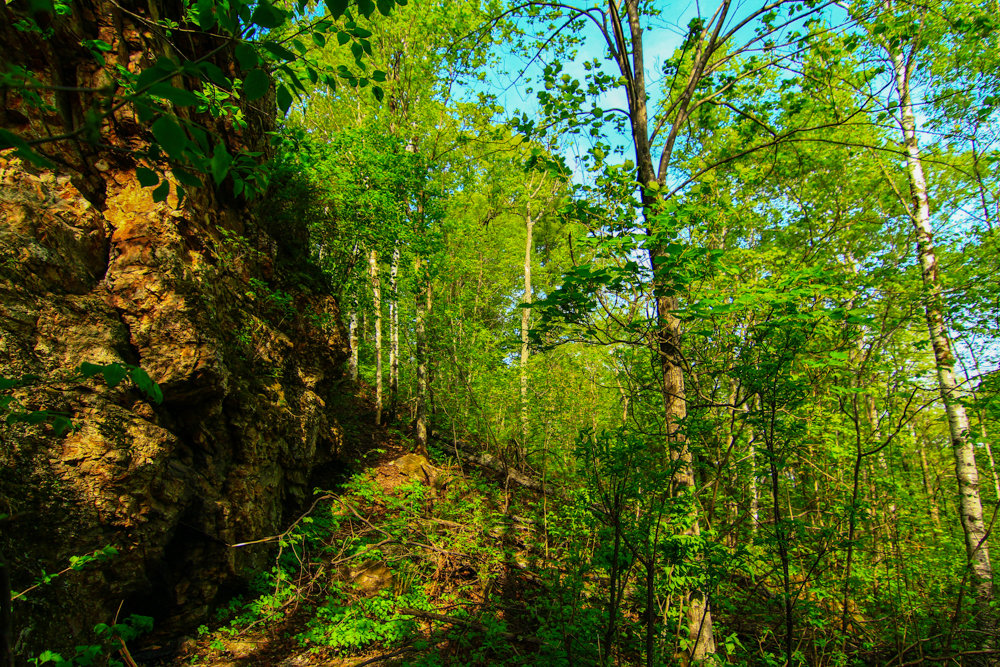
(407, 561)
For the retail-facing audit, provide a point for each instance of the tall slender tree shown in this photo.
(966, 469)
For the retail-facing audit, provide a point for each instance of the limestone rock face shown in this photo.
(199, 294)
(248, 389)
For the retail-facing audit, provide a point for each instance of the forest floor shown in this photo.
(411, 560)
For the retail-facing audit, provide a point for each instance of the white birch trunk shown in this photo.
(373, 272)
(966, 471)
(352, 337)
(394, 332)
(529, 225)
(989, 457)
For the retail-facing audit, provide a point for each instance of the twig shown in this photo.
(287, 531)
(123, 651)
(409, 542)
(385, 656)
(126, 656)
(470, 624)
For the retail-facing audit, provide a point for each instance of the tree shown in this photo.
(701, 75)
(966, 469)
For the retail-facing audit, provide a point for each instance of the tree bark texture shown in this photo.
(352, 329)
(394, 332)
(373, 273)
(667, 335)
(967, 474)
(529, 224)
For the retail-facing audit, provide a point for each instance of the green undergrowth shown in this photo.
(455, 568)
(451, 570)
(345, 573)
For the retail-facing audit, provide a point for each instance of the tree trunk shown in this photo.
(423, 304)
(352, 338)
(667, 335)
(752, 457)
(394, 333)
(6, 615)
(966, 472)
(421, 274)
(529, 225)
(373, 272)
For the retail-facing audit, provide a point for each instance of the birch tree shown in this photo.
(966, 470)
(394, 332)
(374, 275)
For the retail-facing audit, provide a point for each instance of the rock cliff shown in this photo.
(249, 361)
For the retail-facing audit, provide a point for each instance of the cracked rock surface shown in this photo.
(226, 456)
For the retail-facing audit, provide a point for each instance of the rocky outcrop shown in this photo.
(92, 269)
(247, 385)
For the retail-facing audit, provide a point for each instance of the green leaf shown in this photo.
(378, 92)
(170, 136)
(36, 417)
(284, 99)
(278, 51)
(146, 385)
(114, 374)
(246, 55)
(11, 140)
(255, 84)
(161, 192)
(162, 70)
(50, 656)
(147, 177)
(385, 6)
(187, 178)
(337, 7)
(215, 75)
(292, 79)
(221, 159)
(318, 39)
(89, 370)
(61, 423)
(180, 97)
(205, 14)
(267, 16)
(366, 7)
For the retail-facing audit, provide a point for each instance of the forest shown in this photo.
(540, 332)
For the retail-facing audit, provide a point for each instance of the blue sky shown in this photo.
(512, 79)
